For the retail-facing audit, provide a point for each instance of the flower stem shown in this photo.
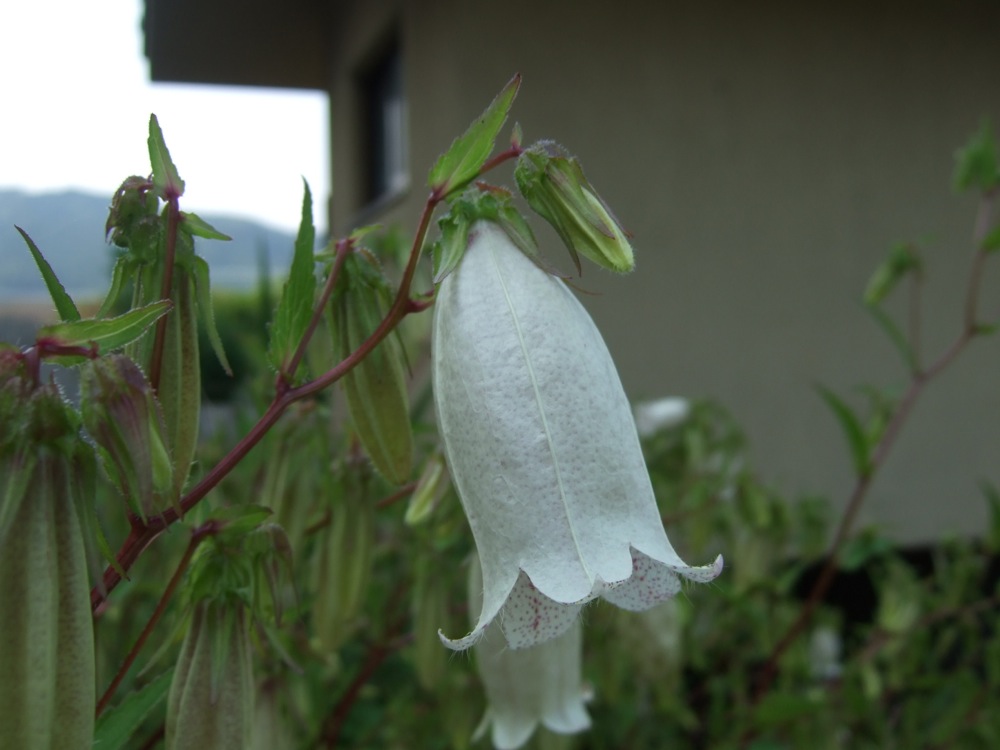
(200, 533)
(918, 383)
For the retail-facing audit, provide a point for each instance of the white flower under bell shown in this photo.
(529, 686)
(542, 448)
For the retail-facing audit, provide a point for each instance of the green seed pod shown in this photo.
(376, 387)
(122, 415)
(47, 690)
(211, 700)
(180, 378)
(343, 568)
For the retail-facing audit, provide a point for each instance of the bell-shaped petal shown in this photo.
(542, 448)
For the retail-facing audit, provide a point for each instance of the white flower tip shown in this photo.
(461, 644)
(653, 416)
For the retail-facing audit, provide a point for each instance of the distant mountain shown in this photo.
(68, 228)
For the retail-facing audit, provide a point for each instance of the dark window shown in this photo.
(385, 126)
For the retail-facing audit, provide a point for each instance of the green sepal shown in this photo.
(431, 486)
(116, 727)
(239, 520)
(976, 164)
(516, 136)
(295, 308)
(474, 205)
(853, 431)
(197, 226)
(166, 180)
(105, 334)
(60, 297)
(123, 266)
(203, 289)
(461, 162)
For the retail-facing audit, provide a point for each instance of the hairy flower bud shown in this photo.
(343, 567)
(376, 387)
(555, 187)
(121, 413)
(46, 629)
(211, 700)
(542, 449)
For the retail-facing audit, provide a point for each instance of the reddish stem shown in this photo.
(140, 537)
(200, 533)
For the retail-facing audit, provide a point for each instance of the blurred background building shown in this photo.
(765, 156)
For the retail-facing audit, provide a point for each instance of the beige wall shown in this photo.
(765, 155)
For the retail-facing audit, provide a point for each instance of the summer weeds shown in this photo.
(301, 575)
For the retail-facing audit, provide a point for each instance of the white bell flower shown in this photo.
(526, 687)
(542, 448)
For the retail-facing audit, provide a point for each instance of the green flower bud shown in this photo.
(47, 692)
(343, 568)
(431, 486)
(121, 413)
(211, 700)
(376, 387)
(554, 185)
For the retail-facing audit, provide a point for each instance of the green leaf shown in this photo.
(860, 550)
(896, 336)
(976, 163)
(777, 708)
(461, 162)
(63, 302)
(165, 177)
(903, 259)
(116, 726)
(991, 242)
(853, 431)
(204, 291)
(201, 228)
(107, 334)
(295, 308)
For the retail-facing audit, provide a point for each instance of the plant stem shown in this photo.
(141, 536)
(203, 531)
(918, 383)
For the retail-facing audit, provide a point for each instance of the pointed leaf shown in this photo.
(461, 162)
(116, 726)
(204, 291)
(107, 334)
(896, 336)
(60, 298)
(295, 308)
(165, 177)
(201, 228)
(853, 431)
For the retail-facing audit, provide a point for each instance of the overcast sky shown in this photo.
(76, 101)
